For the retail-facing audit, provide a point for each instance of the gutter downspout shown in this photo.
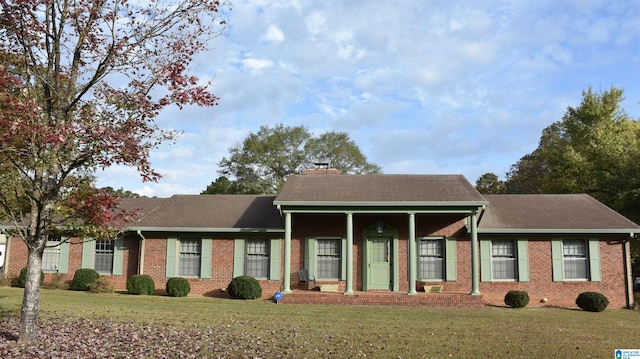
(626, 248)
(141, 255)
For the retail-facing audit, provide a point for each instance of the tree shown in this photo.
(594, 149)
(489, 183)
(81, 83)
(265, 159)
(222, 185)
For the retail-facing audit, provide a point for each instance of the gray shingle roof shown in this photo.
(208, 212)
(378, 188)
(551, 212)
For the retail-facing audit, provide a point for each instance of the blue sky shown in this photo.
(422, 87)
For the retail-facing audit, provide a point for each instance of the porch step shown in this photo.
(421, 299)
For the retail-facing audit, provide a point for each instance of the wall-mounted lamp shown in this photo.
(380, 227)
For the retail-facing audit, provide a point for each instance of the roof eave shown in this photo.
(383, 203)
(204, 229)
(630, 232)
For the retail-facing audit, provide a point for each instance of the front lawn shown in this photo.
(80, 324)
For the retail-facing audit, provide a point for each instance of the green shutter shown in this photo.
(523, 260)
(118, 254)
(485, 260)
(239, 249)
(172, 251)
(274, 260)
(556, 258)
(88, 246)
(594, 260)
(343, 259)
(451, 260)
(63, 262)
(205, 257)
(310, 256)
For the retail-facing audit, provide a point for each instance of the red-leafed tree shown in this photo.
(81, 84)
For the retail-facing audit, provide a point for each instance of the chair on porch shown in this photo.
(303, 277)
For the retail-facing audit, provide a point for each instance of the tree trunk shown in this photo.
(31, 297)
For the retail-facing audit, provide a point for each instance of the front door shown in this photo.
(379, 266)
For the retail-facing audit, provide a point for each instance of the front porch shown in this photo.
(420, 299)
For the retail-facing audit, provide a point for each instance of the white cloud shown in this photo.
(274, 34)
(256, 65)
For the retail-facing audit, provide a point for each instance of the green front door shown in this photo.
(379, 266)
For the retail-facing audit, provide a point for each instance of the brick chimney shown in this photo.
(322, 168)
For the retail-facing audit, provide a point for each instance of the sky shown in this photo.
(422, 87)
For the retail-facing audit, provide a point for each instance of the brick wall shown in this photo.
(541, 284)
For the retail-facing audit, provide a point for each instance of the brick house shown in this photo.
(397, 234)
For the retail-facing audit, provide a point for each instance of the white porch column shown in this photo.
(475, 269)
(413, 255)
(349, 284)
(287, 253)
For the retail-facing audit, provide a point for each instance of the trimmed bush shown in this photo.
(102, 285)
(22, 278)
(245, 287)
(83, 277)
(177, 287)
(592, 301)
(516, 299)
(141, 284)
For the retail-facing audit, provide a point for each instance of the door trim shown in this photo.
(390, 232)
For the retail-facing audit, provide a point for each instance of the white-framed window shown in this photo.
(51, 254)
(103, 257)
(328, 261)
(189, 251)
(503, 260)
(575, 259)
(257, 260)
(431, 261)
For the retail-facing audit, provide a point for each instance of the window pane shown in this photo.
(104, 256)
(328, 259)
(431, 262)
(575, 259)
(257, 261)
(189, 261)
(503, 260)
(51, 255)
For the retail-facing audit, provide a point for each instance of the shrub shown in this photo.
(592, 301)
(245, 287)
(102, 285)
(22, 278)
(141, 284)
(516, 299)
(83, 277)
(177, 287)
(58, 281)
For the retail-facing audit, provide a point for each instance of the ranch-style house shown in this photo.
(378, 239)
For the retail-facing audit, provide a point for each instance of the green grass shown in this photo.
(358, 331)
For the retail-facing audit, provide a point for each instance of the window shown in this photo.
(575, 259)
(103, 257)
(328, 258)
(431, 262)
(51, 255)
(503, 260)
(257, 265)
(189, 258)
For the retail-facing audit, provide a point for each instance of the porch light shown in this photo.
(380, 227)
